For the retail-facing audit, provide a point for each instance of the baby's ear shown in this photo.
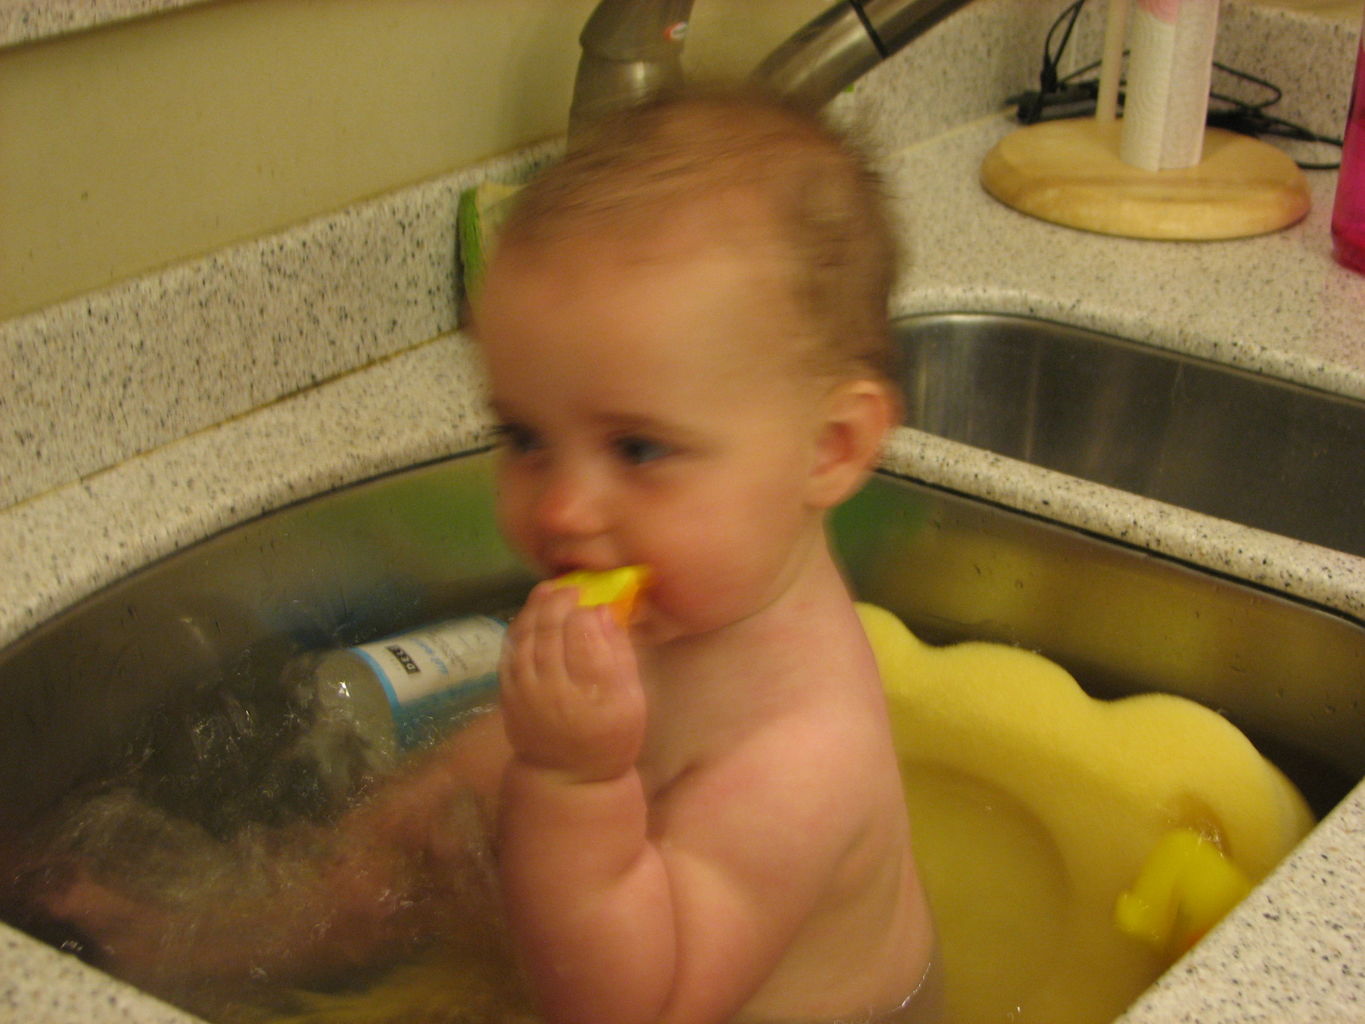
(855, 418)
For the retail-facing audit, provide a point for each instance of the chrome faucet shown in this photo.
(632, 49)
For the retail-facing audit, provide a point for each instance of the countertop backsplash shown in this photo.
(105, 376)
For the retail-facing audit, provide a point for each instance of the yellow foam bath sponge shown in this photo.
(1035, 806)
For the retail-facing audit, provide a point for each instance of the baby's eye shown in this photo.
(518, 439)
(638, 450)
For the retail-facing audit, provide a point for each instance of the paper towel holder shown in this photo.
(1070, 172)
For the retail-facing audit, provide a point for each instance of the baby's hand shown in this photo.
(571, 694)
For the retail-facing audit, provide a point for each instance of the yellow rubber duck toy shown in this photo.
(1185, 887)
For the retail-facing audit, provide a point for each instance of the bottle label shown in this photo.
(433, 673)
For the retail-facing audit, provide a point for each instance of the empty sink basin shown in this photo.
(1201, 435)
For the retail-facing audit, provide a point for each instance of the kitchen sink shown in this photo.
(1247, 448)
(202, 638)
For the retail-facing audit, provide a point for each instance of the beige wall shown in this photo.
(126, 148)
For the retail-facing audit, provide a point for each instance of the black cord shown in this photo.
(1064, 96)
(1046, 101)
(1048, 76)
(1253, 119)
(870, 29)
(1246, 76)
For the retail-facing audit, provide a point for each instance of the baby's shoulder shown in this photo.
(829, 723)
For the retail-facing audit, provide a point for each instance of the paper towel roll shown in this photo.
(1169, 67)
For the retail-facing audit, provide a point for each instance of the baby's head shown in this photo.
(684, 327)
(750, 173)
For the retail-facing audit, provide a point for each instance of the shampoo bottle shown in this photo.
(372, 703)
(1348, 212)
(367, 705)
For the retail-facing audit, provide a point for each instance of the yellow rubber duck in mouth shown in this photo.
(618, 588)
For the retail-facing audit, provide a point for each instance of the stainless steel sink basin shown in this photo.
(1200, 435)
(207, 631)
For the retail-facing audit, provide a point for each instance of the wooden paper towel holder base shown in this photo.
(1069, 172)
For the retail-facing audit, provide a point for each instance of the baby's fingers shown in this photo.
(533, 674)
(558, 646)
(536, 651)
(571, 692)
(597, 652)
(611, 711)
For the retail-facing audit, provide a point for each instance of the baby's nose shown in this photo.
(572, 503)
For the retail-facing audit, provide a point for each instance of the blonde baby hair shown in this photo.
(818, 200)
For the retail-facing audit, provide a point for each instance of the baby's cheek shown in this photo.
(686, 602)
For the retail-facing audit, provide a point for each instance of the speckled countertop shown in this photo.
(23, 21)
(284, 368)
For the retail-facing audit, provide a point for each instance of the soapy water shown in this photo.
(213, 841)
(209, 855)
(240, 906)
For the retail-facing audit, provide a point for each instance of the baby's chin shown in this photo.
(664, 618)
(649, 629)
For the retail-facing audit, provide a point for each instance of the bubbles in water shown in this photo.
(214, 868)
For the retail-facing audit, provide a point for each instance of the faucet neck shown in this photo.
(838, 46)
(632, 50)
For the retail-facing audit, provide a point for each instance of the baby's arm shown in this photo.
(623, 913)
(584, 892)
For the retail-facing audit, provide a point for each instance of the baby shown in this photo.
(701, 820)
(698, 818)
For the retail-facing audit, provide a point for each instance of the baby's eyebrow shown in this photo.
(642, 422)
(671, 431)
(628, 420)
